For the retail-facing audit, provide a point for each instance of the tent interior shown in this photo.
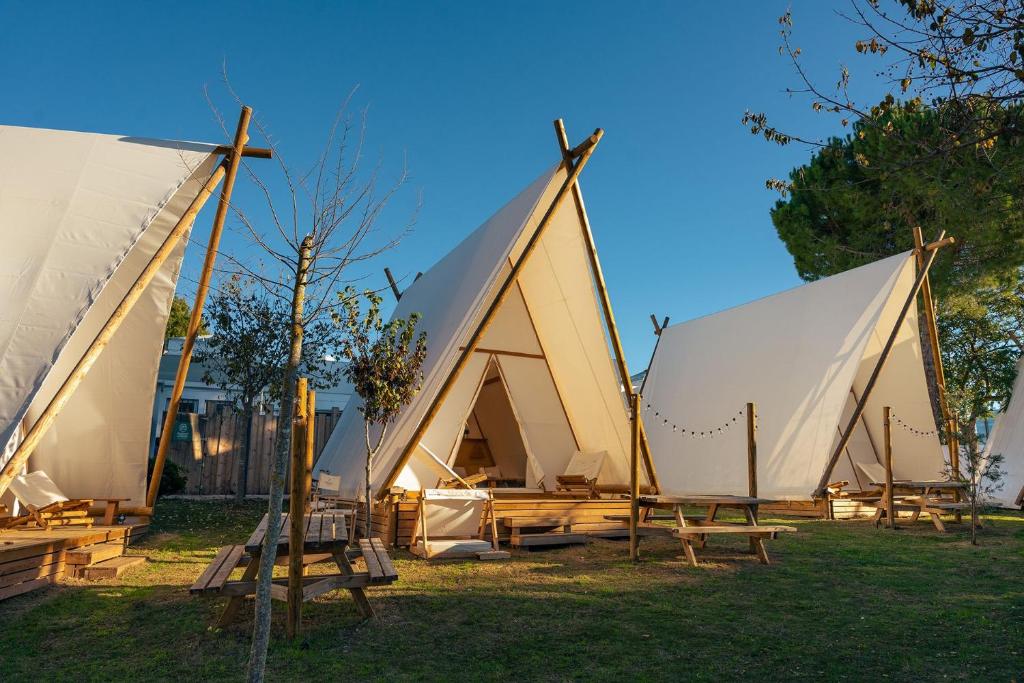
(91, 210)
(804, 357)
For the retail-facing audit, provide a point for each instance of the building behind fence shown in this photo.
(208, 451)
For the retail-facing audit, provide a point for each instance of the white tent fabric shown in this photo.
(1007, 439)
(547, 341)
(81, 215)
(802, 356)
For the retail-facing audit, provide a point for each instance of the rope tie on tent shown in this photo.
(911, 429)
(708, 433)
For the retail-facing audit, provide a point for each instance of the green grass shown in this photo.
(842, 601)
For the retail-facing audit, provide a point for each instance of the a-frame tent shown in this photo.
(1007, 440)
(806, 357)
(519, 376)
(94, 230)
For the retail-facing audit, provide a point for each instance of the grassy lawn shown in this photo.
(843, 601)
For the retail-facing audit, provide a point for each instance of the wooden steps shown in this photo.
(32, 558)
(112, 568)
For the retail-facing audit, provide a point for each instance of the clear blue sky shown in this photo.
(467, 92)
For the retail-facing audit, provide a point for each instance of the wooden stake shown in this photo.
(488, 316)
(310, 446)
(297, 509)
(233, 160)
(882, 358)
(890, 498)
(606, 303)
(634, 479)
(954, 460)
(103, 337)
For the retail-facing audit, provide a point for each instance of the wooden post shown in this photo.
(634, 479)
(933, 329)
(890, 498)
(394, 285)
(882, 358)
(297, 509)
(602, 290)
(478, 333)
(99, 343)
(233, 160)
(954, 459)
(752, 464)
(310, 445)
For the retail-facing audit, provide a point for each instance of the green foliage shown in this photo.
(172, 481)
(177, 320)
(385, 359)
(857, 200)
(249, 348)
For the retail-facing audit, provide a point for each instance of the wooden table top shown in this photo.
(720, 500)
(911, 484)
(325, 532)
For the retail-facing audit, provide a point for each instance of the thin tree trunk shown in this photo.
(371, 452)
(243, 458)
(261, 625)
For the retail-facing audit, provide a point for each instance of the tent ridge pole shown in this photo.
(506, 285)
(99, 343)
(884, 356)
(606, 304)
(232, 162)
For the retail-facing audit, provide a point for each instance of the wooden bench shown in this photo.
(216, 574)
(378, 562)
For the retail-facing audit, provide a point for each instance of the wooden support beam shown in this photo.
(890, 500)
(579, 149)
(657, 327)
(882, 358)
(634, 478)
(297, 507)
(232, 162)
(606, 303)
(254, 152)
(103, 337)
(506, 285)
(939, 243)
(752, 466)
(394, 285)
(928, 303)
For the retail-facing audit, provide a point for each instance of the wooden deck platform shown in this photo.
(31, 558)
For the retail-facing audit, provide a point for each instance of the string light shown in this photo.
(707, 433)
(913, 430)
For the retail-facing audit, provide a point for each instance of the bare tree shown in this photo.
(316, 226)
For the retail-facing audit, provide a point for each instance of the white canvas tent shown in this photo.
(803, 357)
(81, 216)
(1007, 439)
(540, 383)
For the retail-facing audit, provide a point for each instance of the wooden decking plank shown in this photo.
(25, 587)
(206, 577)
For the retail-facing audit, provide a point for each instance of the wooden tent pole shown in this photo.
(394, 285)
(890, 498)
(99, 343)
(488, 316)
(606, 303)
(310, 446)
(634, 478)
(297, 508)
(233, 160)
(654, 352)
(933, 328)
(882, 358)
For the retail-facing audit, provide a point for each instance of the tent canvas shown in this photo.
(547, 343)
(1007, 439)
(82, 214)
(803, 357)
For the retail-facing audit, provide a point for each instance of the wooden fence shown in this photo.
(210, 460)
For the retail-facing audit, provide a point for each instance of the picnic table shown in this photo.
(693, 531)
(326, 538)
(933, 498)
